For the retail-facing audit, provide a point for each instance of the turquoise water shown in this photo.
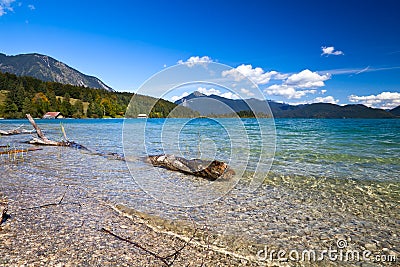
(355, 149)
(351, 148)
(320, 178)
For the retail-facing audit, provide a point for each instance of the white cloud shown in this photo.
(213, 91)
(292, 86)
(287, 91)
(246, 92)
(196, 60)
(6, 5)
(230, 95)
(299, 84)
(327, 99)
(175, 98)
(385, 100)
(257, 75)
(31, 7)
(330, 50)
(307, 79)
(358, 70)
(210, 91)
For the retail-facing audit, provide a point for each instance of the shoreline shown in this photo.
(201, 117)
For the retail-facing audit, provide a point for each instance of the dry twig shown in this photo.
(4, 215)
(167, 260)
(50, 204)
(15, 131)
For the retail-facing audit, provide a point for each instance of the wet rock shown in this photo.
(370, 247)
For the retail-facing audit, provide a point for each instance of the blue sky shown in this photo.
(296, 51)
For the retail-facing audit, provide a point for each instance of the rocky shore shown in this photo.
(67, 226)
(63, 226)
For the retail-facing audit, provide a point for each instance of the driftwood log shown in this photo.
(43, 140)
(15, 131)
(211, 170)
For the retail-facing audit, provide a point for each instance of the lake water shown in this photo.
(300, 183)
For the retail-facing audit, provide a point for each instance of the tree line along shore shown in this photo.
(28, 95)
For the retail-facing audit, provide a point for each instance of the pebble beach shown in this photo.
(70, 234)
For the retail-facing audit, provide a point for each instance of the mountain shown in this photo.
(213, 104)
(218, 105)
(46, 68)
(332, 111)
(396, 111)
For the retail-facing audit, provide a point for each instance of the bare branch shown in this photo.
(64, 133)
(38, 130)
(3, 214)
(175, 255)
(137, 245)
(51, 204)
(167, 260)
(15, 131)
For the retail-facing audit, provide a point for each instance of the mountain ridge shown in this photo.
(395, 111)
(46, 68)
(217, 105)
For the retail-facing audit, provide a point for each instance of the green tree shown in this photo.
(19, 95)
(10, 107)
(66, 107)
(27, 106)
(109, 107)
(52, 99)
(40, 104)
(88, 97)
(78, 109)
(16, 96)
(95, 110)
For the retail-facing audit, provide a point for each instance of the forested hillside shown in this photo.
(21, 95)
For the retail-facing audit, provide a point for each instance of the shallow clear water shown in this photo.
(328, 177)
(357, 149)
(354, 149)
